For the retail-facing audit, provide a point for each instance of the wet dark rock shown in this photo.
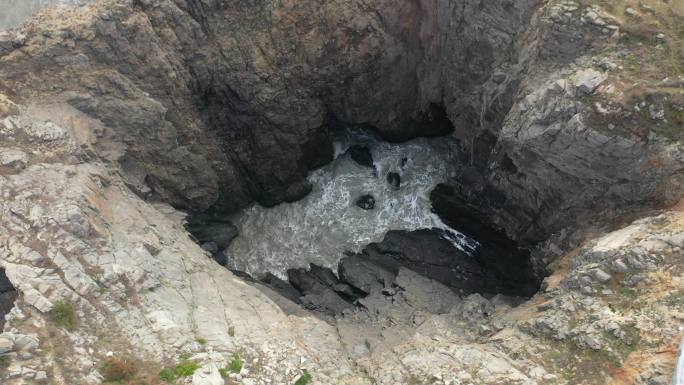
(282, 287)
(365, 275)
(424, 256)
(361, 155)
(325, 301)
(394, 179)
(220, 257)
(216, 253)
(431, 122)
(208, 229)
(323, 275)
(429, 253)
(243, 275)
(296, 192)
(316, 294)
(211, 247)
(328, 278)
(366, 202)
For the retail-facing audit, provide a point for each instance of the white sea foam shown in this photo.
(321, 227)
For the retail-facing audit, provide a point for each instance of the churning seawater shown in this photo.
(326, 223)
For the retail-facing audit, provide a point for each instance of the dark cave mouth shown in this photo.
(8, 295)
(497, 265)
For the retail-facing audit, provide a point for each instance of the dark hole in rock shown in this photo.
(497, 250)
(508, 165)
(366, 202)
(394, 179)
(361, 155)
(8, 294)
(432, 122)
(212, 232)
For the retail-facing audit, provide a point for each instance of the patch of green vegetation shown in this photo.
(5, 361)
(117, 370)
(235, 364)
(231, 331)
(622, 347)
(304, 379)
(63, 315)
(186, 368)
(184, 356)
(223, 372)
(167, 375)
(578, 364)
(675, 299)
(201, 340)
(650, 55)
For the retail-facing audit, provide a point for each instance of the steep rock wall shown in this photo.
(215, 103)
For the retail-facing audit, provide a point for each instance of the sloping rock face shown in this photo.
(140, 288)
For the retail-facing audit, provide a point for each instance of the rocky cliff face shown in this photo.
(206, 103)
(209, 104)
(213, 103)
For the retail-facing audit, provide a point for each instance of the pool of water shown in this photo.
(324, 225)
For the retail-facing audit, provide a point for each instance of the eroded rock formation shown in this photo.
(212, 103)
(209, 104)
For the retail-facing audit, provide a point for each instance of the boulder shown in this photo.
(13, 159)
(328, 278)
(587, 80)
(366, 202)
(6, 344)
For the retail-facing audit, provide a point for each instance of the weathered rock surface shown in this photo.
(208, 104)
(219, 115)
(548, 169)
(431, 254)
(422, 264)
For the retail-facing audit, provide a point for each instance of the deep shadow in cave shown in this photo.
(497, 265)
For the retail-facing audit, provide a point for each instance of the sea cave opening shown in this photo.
(378, 207)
